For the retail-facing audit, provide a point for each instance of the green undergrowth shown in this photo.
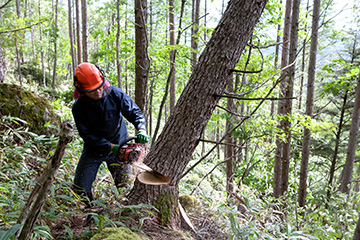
(251, 215)
(24, 155)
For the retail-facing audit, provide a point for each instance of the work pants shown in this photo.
(88, 167)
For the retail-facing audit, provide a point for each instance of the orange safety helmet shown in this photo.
(88, 77)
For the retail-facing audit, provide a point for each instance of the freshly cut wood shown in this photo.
(185, 220)
(153, 178)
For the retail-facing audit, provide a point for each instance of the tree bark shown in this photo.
(141, 55)
(353, 138)
(284, 63)
(309, 103)
(172, 151)
(33, 206)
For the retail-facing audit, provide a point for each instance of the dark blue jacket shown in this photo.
(100, 122)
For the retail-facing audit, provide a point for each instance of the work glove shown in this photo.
(115, 149)
(142, 137)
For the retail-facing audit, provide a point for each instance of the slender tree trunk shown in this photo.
(78, 30)
(194, 31)
(357, 231)
(42, 51)
(55, 44)
(229, 141)
(303, 59)
(85, 53)
(205, 20)
(2, 65)
(32, 33)
(2, 59)
(357, 185)
(118, 65)
(281, 111)
(18, 50)
(171, 152)
(309, 103)
(141, 55)
(172, 54)
(163, 101)
(353, 138)
(151, 95)
(126, 61)
(289, 94)
(336, 149)
(18, 62)
(276, 60)
(72, 52)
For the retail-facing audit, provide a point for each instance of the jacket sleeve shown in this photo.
(90, 139)
(130, 110)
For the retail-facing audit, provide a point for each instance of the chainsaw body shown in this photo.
(133, 154)
(129, 153)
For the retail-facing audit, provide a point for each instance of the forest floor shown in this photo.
(83, 226)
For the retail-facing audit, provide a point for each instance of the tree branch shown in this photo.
(241, 122)
(1, 7)
(242, 71)
(230, 95)
(19, 29)
(231, 112)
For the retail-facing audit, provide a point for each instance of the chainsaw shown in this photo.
(133, 154)
(129, 153)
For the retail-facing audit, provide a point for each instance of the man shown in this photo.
(98, 112)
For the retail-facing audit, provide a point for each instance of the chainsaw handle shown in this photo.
(126, 141)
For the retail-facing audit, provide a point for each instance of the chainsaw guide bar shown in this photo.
(133, 153)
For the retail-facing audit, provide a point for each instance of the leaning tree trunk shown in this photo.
(37, 198)
(180, 136)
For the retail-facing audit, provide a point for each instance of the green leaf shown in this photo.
(9, 233)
